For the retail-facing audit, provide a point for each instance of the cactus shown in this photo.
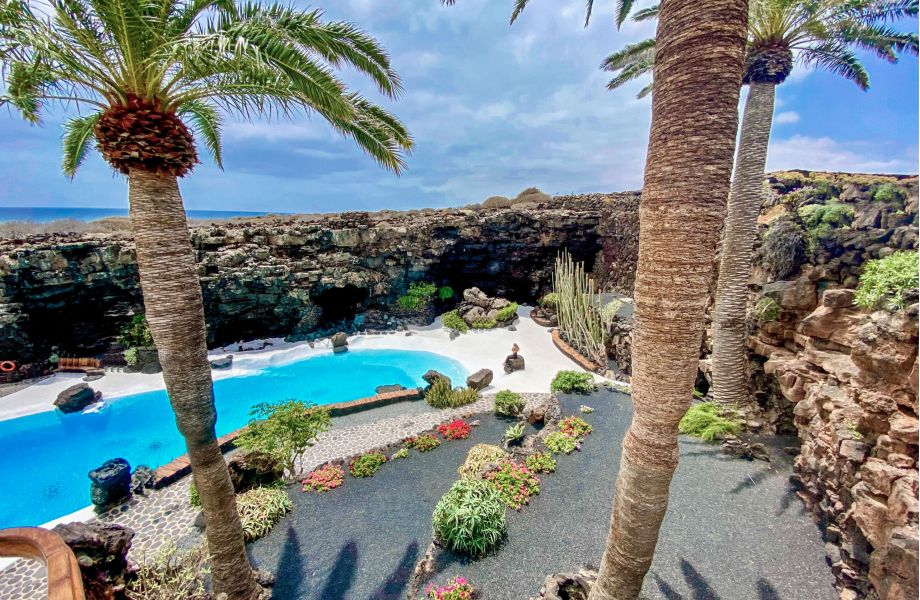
(583, 322)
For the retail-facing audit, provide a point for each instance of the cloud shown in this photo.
(282, 130)
(787, 117)
(828, 154)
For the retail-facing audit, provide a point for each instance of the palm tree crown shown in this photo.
(148, 67)
(817, 33)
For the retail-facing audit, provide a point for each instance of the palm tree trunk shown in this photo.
(729, 369)
(698, 65)
(174, 310)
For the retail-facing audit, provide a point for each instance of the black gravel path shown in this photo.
(734, 529)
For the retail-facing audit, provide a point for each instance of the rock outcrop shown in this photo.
(76, 398)
(294, 276)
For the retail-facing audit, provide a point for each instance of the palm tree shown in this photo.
(147, 71)
(818, 33)
(700, 58)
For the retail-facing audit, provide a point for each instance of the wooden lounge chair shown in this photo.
(77, 365)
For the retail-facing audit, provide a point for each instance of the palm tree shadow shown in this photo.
(290, 567)
(395, 585)
(343, 573)
(787, 500)
(766, 591)
(753, 481)
(700, 589)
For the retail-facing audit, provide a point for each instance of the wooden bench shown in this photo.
(77, 365)
(64, 580)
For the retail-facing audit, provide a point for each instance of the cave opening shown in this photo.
(340, 303)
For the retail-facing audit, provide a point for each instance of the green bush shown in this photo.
(508, 313)
(417, 295)
(130, 356)
(445, 292)
(888, 192)
(260, 508)
(193, 498)
(767, 309)
(572, 382)
(508, 403)
(170, 574)
(400, 454)
(560, 443)
(821, 219)
(541, 462)
(136, 333)
(440, 395)
(704, 421)
(453, 320)
(422, 443)
(284, 430)
(367, 464)
(484, 323)
(885, 280)
(477, 458)
(550, 300)
(470, 517)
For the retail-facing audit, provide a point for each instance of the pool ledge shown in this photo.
(180, 467)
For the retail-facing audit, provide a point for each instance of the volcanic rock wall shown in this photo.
(281, 276)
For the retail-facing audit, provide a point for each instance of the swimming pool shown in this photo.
(44, 458)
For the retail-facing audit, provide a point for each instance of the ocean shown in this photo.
(54, 213)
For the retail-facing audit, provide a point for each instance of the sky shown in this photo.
(493, 109)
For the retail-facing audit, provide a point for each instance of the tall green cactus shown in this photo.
(583, 322)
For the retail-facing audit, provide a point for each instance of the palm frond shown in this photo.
(835, 58)
(623, 8)
(78, 134)
(519, 6)
(647, 14)
(206, 122)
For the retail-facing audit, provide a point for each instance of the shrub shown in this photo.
(508, 403)
(484, 323)
(767, 309)
(455, 430)
(477, 458)
(408, 302)
(470, 517)
(130, 356)
(169, 574)
(541, 462)
(136, 333)
(193, 498)
(324, 479)
(508, 313)
(821, 219)
(785, 248)
(367, 464)
(457, 588)
(704, 421)
(515, 483)
(453, 320)
(260, 508)
(284, 430)
(423, 443)
(417, 295)
(575, 427)
(513, 434)
(550, 300)
(888, 192)
(885, 280)
(531, 194)
(440, 395)
(445, 292)
(572, 382)
(400, 454)
(496, 202)
(560, 443)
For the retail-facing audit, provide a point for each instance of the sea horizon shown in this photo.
(48, 214)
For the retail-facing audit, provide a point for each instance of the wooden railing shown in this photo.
(64, 582)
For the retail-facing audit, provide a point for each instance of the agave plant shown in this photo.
(148, 77)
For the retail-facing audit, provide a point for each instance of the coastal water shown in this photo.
(46, 214)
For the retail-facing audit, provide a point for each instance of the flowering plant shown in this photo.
(575, 427)
(457, 588)
(514, 482)
(560, 443)
(401, 453)
(324, 479)
(422, 443)
(541, 462)
(455, 430)
(367, 464)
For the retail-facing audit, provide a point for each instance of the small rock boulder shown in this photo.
(386, 389)
(222, 363)
(431, 376)
(141, 479)
(568, 586)
(339, 342)
(514, 363)
(480, 379)
(94, 374)
(253, 469)
(545, 411)
(76, 398)
(102, 553)
(111, 483)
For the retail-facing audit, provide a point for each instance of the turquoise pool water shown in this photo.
(44, 458)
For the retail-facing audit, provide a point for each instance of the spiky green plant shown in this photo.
(583, 322)
(708, 422)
